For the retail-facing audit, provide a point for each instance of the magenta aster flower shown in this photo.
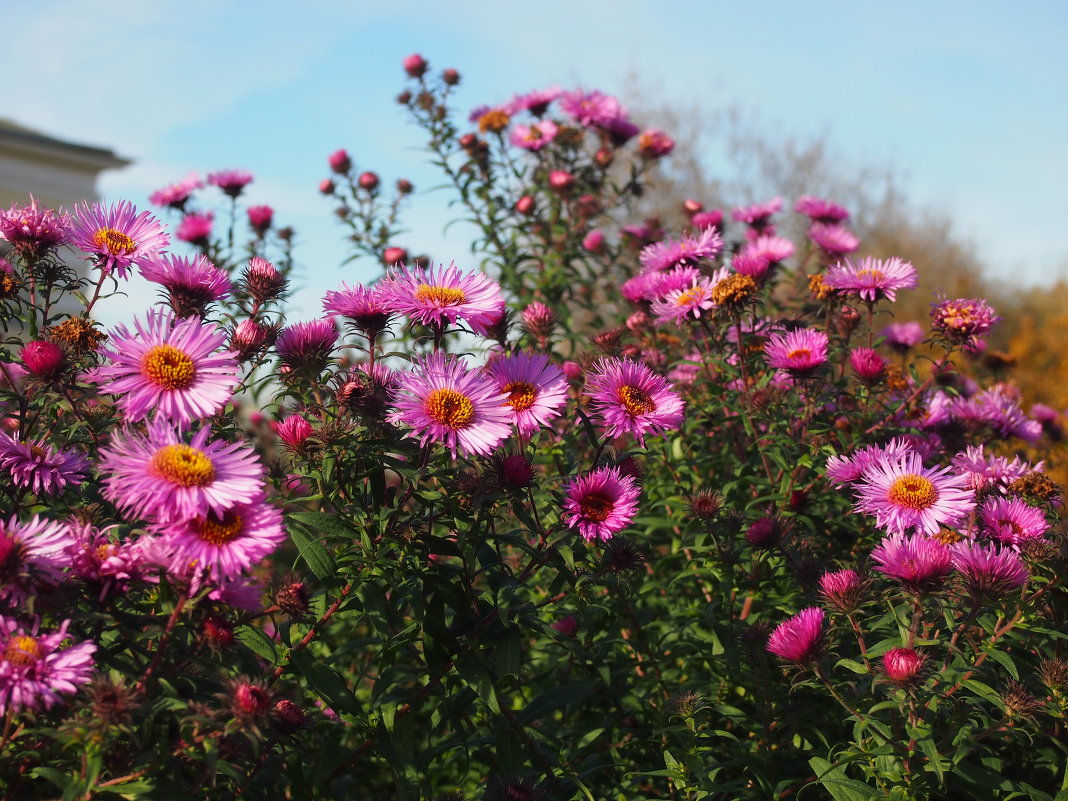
(902, 336)
(534, 136)
(654, 144)
(191, 282)
(872, 279)
(445, 402)
(31, 552)
(33, 230)
(306, 345)
(260, 218)
(99, 556)
(820, 211)
(232, 182)
(689, 251)
(196, 228)
(629, 398)
(963, 319)
(592, 108)
(833, 239)
(170, 368)
(158, 475)
(984, 471)
(600, 503)
(1012, 521)
(708, 218)
(756, 266)
(536, 389)
(293, 430)
(759, 214)
(797, 639)
(845, 470)
(842, 589)
(903, 495)
(35, 668)
(226, 544)
(799, 353)
(772, 248)
(39, 467)
(440, 295)
(176, 195)
(116, 235)
(365, 306)
(686, 303)
(902, 665)
(536, 102)
(989, 569)
(916, 561)
(868, 365)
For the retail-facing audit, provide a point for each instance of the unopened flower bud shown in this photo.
(42, 358)
(393, 255)
(868, 365)
(764, 533)
(691, 206)
(292, 598)
(450, 77)
(538, 319)
(288, 717)
(567, 626)
(525, 205)
(326, 186)
(293, 430)
(404, 186)
(902, 665)
(260, 218)
(247, 338)
(415, 65)
(262, 280)
(561, 181)
(368, 180)
(603, 158)
(340, 162)
(594, 241)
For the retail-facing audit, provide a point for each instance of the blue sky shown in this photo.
(963, 99)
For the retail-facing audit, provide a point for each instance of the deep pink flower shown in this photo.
(600, 503)
(654, 144)
(536, 389)
(592, 108)
(872, 279)
(833, 239)
(983, 471)
(534, 136)
(707, 219)
(158, 475)
(339, 161)
(445, 402)
(415, 65)
(99, 556)
(40, 468)
(293, 430)
(441, 295)
(988, 569)
(260, 218)
(538, 319)
(820, 211)
(232, 182)
(568, 626)
(31, 552)
(191, 282)
(306, 345)
(797, 639)
(916, 561)
(171, 368)
(868, 365)
(629, 398)
(35, 668)
(757, 215)
(754, 265)
(561, 181)
(903, 495)
(116, 235)
(689, 251)
(1012, 521)
(196, 228)
(845, 470)
(368, 181)
(364, 306)
(902, 336)
(842, 589)
(176, 195)
(799, 353)
(773, 248)
(42, 358)
(536, 102)
(963, 319)
(685, 303)
(33, 230)
(902, 665)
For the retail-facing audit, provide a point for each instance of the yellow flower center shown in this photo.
(219, 531)
(534, 134)
(596, 507)
(168, 367)
(450, 408)
(521, 395)
(183, 465)
(439, 295)
(913, 492)
(689, 297)
(733, 289)
(493, 120)
(948, 536)
(799, 354)
(872, 275)
(22, 650)
(113, 241)
(636, 401)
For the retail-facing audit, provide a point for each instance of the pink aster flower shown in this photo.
(40, 468)
(983, 471)
(820, 211)
(1012, 521)
(799, 353)
(902, 665)
(759, 214)
(797, 639)
(709, 218)
(686, 303)
(158, 475)
(600, 503)
(833, 239)
(534, 136)
(536, 389)
(117, 236)
(654, 144)
(988, 569)
(755, 265)
(445, 402)
(536, 102)
(653, 286)
(903, 495)
(176, 195)
(100, 557)
(224, 545)
(845, 470)
(872, 279)
(232, 182)
(293, 430)
(963, 319)
(364, 306)
(196, 228)
(842, 589)
(903, 336)
(33, 552)
(35, 668)
(773, 248)
(867, 365)
(170, 368)
(306, 345)
(689, 251)
(917, 562)
(441, 295)
(33, 230)
(191, 282)
(629, 398)
(591, 108)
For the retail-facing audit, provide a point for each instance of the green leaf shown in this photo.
(840, 786)
(312, 551)
(554, 699)
(258, 642)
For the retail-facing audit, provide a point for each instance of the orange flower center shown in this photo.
(219, 531)
(872, 275)
(183, 465)
(22, 650)
(521, 395)
(493, 120)
(450, 408)
(912, 492)
(596, 507)
(689, 297)
(534, 134)
(799, 354)
(636, 401)
(168, 367)
(113, 241)
(439, 295)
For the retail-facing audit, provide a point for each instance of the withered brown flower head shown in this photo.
(77, 335)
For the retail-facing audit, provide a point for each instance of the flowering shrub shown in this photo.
(630, 514)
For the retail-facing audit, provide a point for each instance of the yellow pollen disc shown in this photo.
(439, 295)
(37, 452)
(450, 408)
(947, 536)
(688, 297)
(800, 353)
(521, 395)
(874, 275)
(219, 531)
(105, 551)
(168, 367)
(534, 134)
(493, 120)
(636, 401)
(183, 465)
(22, 650)
(912, 492)
(113, 241)
(596, 507)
